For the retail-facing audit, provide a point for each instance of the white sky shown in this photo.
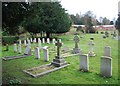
(104, 8)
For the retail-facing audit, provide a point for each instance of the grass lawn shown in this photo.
(12, 69)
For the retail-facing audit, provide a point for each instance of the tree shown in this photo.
(47, 17)
(111, 23)
(105, 21)
(12, 15)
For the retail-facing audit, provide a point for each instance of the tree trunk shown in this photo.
(47, 34)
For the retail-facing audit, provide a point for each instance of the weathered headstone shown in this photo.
(39, 43)
(106, 66)
(60, 40)
(46, 54)
(53, 41)
(31, 40)
(15, 47)
(27, 50)
(20, 42)
(84, 63)
(48, 40)
(43, 40)
(59, 60)
(29, 44)
(19, 48)
(107, 51)
(37, 53)
(91, 44)
(34, 40)
(25, 42)
(76, 49)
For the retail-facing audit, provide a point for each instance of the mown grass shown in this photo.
(12, 69)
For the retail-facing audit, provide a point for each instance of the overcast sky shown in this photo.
(104, 8)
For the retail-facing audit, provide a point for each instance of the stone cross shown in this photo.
(91, 43)
(76, 39)
(58, 44)
(106, 66)
(15, 47)
(37, 53)
(107, 51)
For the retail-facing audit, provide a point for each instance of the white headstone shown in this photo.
(48, 40)
(25, 42)
(43, 40)
(27, 50)
(106, 66)
(15, 47)
(60, 40)
(39, 43)
(37, 53)
(20, 42)
(107, 51)
(19, 49)
(35, 40)
(53, 41)
(31, 39)
(84, 62)
(91, 44)
(29, 44)
(46, 54)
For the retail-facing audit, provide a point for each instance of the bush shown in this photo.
(9, 39)
(15, 82)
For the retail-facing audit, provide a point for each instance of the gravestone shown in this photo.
(107, 51)
(106, 66)
(31, 40)
(29, 44)
(84, 63)
(60, 40)
(15, 48)
(46, 54)
(48, 40)
(53, 41)
(39, 43)
(19, 49)
(91, 44)
(25, 42)
(43, 40)
(27, 50)
(37, 53)
(59, 60)
(76, 49)
(20, 42)
(34, 40)
(7, 47)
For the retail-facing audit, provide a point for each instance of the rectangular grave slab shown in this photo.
(15, 57)
(42, 70)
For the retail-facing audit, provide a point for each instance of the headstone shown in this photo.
(76, 49)
(48, 40)
(20, 42)
(31, 40)
(19, 49)
(39, 43)
(25, 42)
(27, 50)
(34, 40)
(59, 60)
(53, 41)
(46, 54)
(91, 44)
(43, 40)
(107, 51)
(37, 53)
(15, 47)
(7, 47)
(60, 40)
(106, 66)
(84, 63)
(29, 44)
